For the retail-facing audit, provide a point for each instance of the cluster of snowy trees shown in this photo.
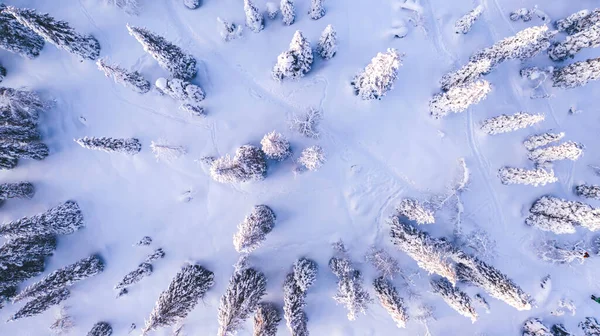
(561, 216)
(256, 22)
(536, 327)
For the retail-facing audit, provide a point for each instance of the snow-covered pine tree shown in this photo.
(288, 12)
(550, 223)
(312, 158)
(129, 146)
(11, 152)
(272, 10)
(142, 271)
(566, 151)
(576, 74)
(130, 79)
(459, 97)
(305, 273)
(296, 61)
(254, 19)
(431, 254)
(535, 177)
(535, 327)
(327, 47)
(19, 251)
(495, 283)
(63, 219)
(101, 329)
(266, 319)
(13, 130)
(583, 190)
(181, 90)
(455, 298)
(229, 30)
(242, 296)
(590, 326)
(379, 76)
(177, 301)
(169, 56)
(509, 123)
(589, 38)
(540, 140)
(317, 10)
(578, 21)
(254, 229)
(293, 307)
(576, 212)
(276, 146)
(391, 301)
(42, 303)
(56, 32)
(415, 211)
(20, 106)
(16, 190)
(17, 38)
(464, 24)
(466, 74)
(63, 277)
(383, 262)
(556, 252)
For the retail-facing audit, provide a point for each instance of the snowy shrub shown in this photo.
(131, 7)
(583, 190)
(464, 24)
(576, 212)
(578, 21)
(181, 90)
(241, 299)
(296, 61)
(379, 76)
(143, 270)
(465, 75)
(169, 56)
(549, 223)
(312, 158)
(62, 220)
(184, 292)
(521, 14)
(63, 277)
(17, 38)
(229, 30)
(589, 38)
(317, 10)
(288, 12)
(535, 327)
(145, 241)
(157, 254)
(254, 229)
(415, 211)
(327, 47)
(272, 10)
(276, 146)
(509, 123)
(56, 32)
(391, 301)
(497, 285)
(566, 151)
(254, 19)
(100, 329)
(383, 262)
(302, 277)
(590, 326)
(576, 74)
(42, 303)
(16, 190)
(192, 4)
(535, 177)
(350, 290)
(556, 252)
(163, 151)
(131, 80)
(266, 319)
(129, 146)
(455, 298)
(308, 123)
(431, 254)
(540, 140)
(458, 98)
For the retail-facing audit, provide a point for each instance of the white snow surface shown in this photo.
(379, 152)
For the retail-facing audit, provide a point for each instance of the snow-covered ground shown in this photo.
(378, 152)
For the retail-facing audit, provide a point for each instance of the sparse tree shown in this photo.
(17, 38)
(59, 33)
(569, 150)
(242, 297)
(466, 74)
(576, 212)
(480, 242)
(169, 56)
(549, 223)
(464, 24)
(383, 262)
(63, 277)
(248, 164)
(181, 90)
(276, 146)
(391, 301)
(556, 252)
(129, 146)
(379, 76)
(266, 319)
(590, 326)
(63, 323)
(583, 190)
(130, 79)
(576, 74)
(540, 140)
(229, 30)
(254, 229)
(509, 123)
(588, 38)
(42, 303)
(578, 21)
(296, 61)
(288, 12)
(415, 211)
(101, 329)
(459, 97)
(254, 19)
(312, 158)
(327, 47)
(455, 298)
(177, 301)
(63, 219)
(535, 327)
(163, 151)
(535, 177)
(308, 123)
(317, 10)
(16, 190)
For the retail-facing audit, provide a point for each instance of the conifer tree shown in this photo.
(327, 47)
(19, 251)
(229, 30)
(131, 80)
(295, 286)
(288, 12)
(10, 152)
(578, 21)
(276, 146)
(312, 158)
(589, 38)
(42, 303)
(17, 38)
(459, 97)
(455, 298)
(552, 224)
(465, 75)
(16, 190)
(248, 164)
(129, 146)
(20, 106)
(101, 329)
(464, 24)
(57, 32)
(296, 61)
(266, 319)
(566, 151)
(317, 10)
(254, 229)
(535, 327)
(63, 219)
(540, 140)
(391, 301)
(142, 271)
(576, 212)
(590, 326)
(509, 123)
(576, 74)
(254, 19)
(379, 76)
(588, 191)
(415, 211)
(535, 177)
(169, 56)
